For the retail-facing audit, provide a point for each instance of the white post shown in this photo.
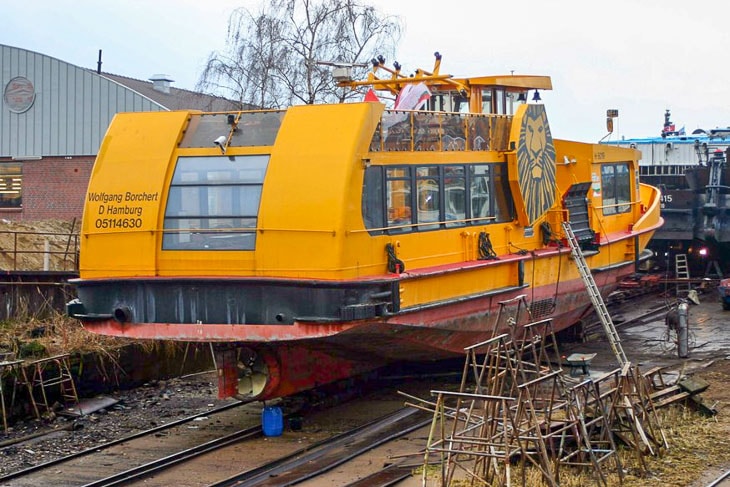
(47, 256)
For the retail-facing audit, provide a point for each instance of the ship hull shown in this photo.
(305, 354)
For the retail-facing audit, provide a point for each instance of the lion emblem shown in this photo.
(536, 163)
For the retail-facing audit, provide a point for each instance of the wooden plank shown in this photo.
(671, 399)
(664, 392)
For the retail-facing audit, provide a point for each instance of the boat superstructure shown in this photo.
(316, 242)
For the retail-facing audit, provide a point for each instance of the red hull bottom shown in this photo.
(282, 360)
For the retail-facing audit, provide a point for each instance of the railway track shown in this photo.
(227, 445)
(322, 457)
(108, 459)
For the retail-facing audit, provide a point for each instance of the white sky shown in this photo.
(638, 56)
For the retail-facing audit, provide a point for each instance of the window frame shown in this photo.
(213, 203)
(616, 191)
(380, 208)
(11, 183)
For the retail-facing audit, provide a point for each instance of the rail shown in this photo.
(316, 459)
(411, 130)
(108, 445)
(39, 251)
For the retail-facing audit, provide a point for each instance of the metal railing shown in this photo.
(409, 130)
(39, 251)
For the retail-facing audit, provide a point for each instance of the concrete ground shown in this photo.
(647, 342)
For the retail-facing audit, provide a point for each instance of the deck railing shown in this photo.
(408, 130)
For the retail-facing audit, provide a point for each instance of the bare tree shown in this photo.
(272, 58)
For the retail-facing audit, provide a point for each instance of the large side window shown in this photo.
(398, 198)
(616, 183)
(213, 203)
(428, 190)
(480, 192)
(503, 208)
(11, 185)
(454, 195)
(372, 198)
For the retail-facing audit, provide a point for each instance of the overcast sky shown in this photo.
(638, 56)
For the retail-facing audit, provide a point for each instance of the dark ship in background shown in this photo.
(693, 175)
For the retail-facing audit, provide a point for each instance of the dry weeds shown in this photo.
(56, 336)
(699, 446)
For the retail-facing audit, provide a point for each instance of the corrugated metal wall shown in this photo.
(71, 111)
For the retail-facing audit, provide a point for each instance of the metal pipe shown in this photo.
(683, 332)
(122, 314)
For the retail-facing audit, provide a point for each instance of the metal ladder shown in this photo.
(47, 373)
(681, 273)
(595, 295)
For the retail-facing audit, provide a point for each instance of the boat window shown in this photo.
(428, 193)
(503, 209)
(441, 102)
(487, 100)
(213, 203)
(372, 198)
(252, 128)
(479, 192)
(454, 195)
(403, 198)
(398, 199)
(616, 183)
(499, 99)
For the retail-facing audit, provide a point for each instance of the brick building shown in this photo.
(53, 117)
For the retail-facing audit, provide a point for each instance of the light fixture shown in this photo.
(536, 96)
(221, 142)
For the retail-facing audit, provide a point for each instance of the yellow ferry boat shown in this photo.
(316, 242)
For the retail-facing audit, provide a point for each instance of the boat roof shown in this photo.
(675, 139)
(717, 136)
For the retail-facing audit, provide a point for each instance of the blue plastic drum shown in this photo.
(272, 421)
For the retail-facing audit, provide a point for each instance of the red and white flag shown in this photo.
(412, 97)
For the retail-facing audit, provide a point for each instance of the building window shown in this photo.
(616, 182)
(11, 185)
(213, 203)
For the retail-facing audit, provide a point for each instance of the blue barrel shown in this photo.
(272, 421)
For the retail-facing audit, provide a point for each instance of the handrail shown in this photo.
(418, 130)
(20, 249)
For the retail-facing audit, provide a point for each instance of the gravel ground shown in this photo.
(146, 407)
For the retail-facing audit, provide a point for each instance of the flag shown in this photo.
(412, 97)
(681, 131)
(371, 96)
